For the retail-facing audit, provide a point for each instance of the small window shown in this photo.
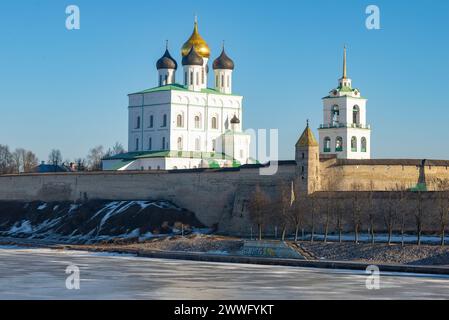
(364, 144)
(222, 81)
(185, 78)
(137, 144)
(160, 80)
(191, 78)
(163, 143)
(354, 144)
(138, 123)
(180, 146)
(229, 82)
(179, 121)
(150, 144)
(327, 144)
(197, 122)
(214, 123)
(339, 144)
(202, 76)
(335, 116)
(151, 121)
(164, 121)
(197, 79)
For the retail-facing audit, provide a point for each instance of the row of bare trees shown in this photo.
(24, 161)
(395, 211)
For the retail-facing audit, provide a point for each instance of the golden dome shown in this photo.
(197, 42)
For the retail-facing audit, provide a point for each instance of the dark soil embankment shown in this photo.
(93, 220)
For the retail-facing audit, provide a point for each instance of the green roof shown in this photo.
(179, 87)
(344, 89)
(131, 156)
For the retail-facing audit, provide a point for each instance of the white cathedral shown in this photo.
(186, 126)
(189, 126)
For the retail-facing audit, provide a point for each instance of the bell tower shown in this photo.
(344, 131)
(308, 162)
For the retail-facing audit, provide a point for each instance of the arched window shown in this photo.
(150, 144)
(180, 147)
(327, 144)
(179, 121)
(197, 144)
(229, 82)
(197, 122)
(335, 116)
(363, 144)
(354, 144)
(356, 115)
(166, 79)
(151, 121)
(202, 76)
(138, 123)
(160, 80)
(222, 80)
(214, 123)
(164, 121)
(197, 79)
(163, 143)
(216, 82)
(137, 144)
(185, 78)
(339, 144)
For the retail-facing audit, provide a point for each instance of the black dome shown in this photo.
(235, 120)
(192, 59)
(166, 62)
(223, 62)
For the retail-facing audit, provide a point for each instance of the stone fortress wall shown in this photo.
(220, 197)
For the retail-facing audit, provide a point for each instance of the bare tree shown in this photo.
(116, 149)
(338, 211)
(6, 160)
(371, 211)
(24, 161)
(443, 206)
(297, 215)
(400, 210)
(419, 216)
(285, 206)
(30, 161)
(95, 157)
(314, 208)
(389, 215)
(55, 157)
(258, 209)
(356, 210)
(80, 164)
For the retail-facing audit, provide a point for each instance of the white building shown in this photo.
(186, 125)
(344, 131)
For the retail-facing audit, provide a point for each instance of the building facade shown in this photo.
(186, 125)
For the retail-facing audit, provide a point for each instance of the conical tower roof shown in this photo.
(307, 138)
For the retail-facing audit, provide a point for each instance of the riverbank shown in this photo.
(429, 259)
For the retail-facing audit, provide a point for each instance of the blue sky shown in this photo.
(68, 89)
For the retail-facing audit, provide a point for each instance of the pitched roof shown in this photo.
(307, 139)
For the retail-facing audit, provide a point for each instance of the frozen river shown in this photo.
(41, 274)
